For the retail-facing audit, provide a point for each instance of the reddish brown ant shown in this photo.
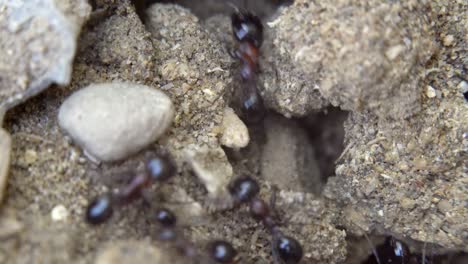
(248, 32)
(245, 190)
(158, 169)
(219, 251)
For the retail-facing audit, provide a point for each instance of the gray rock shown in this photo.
(114, 120)
(212, 167)
(5, 150)
(37, 46)
(382, 179)
(360, 56)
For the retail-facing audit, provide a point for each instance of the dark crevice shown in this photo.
(326, 131)
(140, 8)
(207, 8)
(393, 250)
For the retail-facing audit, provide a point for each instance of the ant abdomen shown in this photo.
(289, 249)
(100, 209)
(252, 108)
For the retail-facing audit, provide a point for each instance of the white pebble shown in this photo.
(211, 166)
(59, 213)
(394, 51)
(235, 133)
(5, 149)
(111, 121)
(430, 92)
(448, 40)
(463, 86)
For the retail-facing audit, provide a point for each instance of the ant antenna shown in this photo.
(233, 6)
(244, 4)
(423, 257)
(374, 251)
(274, 251)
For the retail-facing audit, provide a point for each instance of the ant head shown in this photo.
(247, 27)
(161, 167)
(165, 217)
(244, 189)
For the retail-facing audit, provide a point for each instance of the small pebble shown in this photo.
(30, 156)
(448, 40)
(211, 166)
(59, 213)
(407, 203)
(430, 92)
(444, 206)
(9, 226)
(235, 132)
(111, 121)
(463, 87)
(393, 52)
(5, 148)
(131, 251)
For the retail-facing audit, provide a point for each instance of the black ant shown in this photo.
(396, 251)
(286, 248)
(219, 251)
(158, 169)
(248, 32)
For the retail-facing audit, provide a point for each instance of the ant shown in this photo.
(158, 169)
(219, 251)
(248, 32)
(396, 251)
(286, 248)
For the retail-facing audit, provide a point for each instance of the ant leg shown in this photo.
(259, 69)
(273, 197)
(232, 52)
(148, 196)
(274, 212)
(374, 251)
(423, 256)
(274, 251)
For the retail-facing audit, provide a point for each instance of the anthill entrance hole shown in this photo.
(326, 131)
(206, 8)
